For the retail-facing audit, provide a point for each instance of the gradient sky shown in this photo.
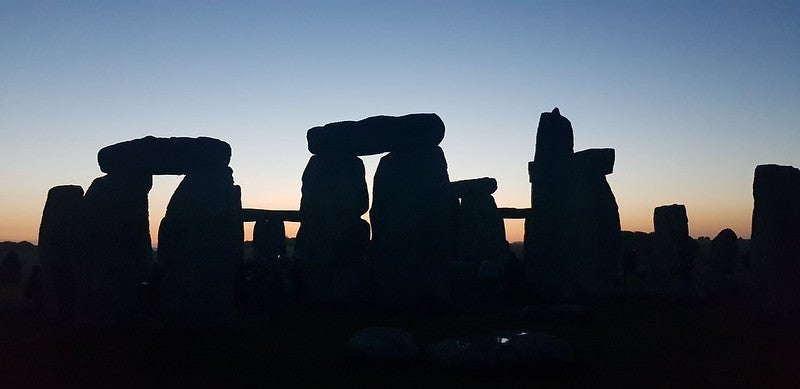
(692, 95)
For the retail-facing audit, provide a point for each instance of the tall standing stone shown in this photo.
(413, 223)
(59, 248)
(672, 241)
(332, 238)
(481, 232)
(200, 249)
(775, 237)
(116, 249)
(572, 235)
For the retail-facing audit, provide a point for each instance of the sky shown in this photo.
(692, 95)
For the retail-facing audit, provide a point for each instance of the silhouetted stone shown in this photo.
(332, 238)
(59, 248)
(503, 350)
(413, 226)
(269, 240)
(514, 213)
(10, 269)
(377, 134)
(671, 238)
(116, 251)
(723, 252)
(383, 343)
(481, 232)
(200, 249)
(255, 215)
(334, 183)
(572, 233)
(477, 186)
(594, 162)
(151, 155)
(775, 241)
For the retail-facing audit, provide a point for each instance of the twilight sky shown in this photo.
(692, 95)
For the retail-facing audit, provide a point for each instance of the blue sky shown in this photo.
(691, 95)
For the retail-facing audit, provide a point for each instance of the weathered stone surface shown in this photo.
(384, 343)
(59, 249)
(775, 241)
(504, 349)
(481, 232)
(724, 252)
(572, 232)
(151, 155)
(476, 186)
(200, 250)
(116, 252)
(414, 232)
(377, 134)
(594, 162)
(334, 183)
(269, 240)
(671, 238)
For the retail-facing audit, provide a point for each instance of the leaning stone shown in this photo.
(59, 248)
(151, 155)
(201, 249)
(377, 134)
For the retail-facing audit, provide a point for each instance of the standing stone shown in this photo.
(269, 240)
(59, 249)
(724, 252)
(116, 249)
(572, 233)
(413, 220)
(597, 245)
(200, 249)
(672, 241)
(481, 232)
(775, 238)
(332, 238)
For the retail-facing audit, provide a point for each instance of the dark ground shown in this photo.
(624, 344)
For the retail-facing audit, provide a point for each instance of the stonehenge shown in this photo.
(97, 248)
(572, 233)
